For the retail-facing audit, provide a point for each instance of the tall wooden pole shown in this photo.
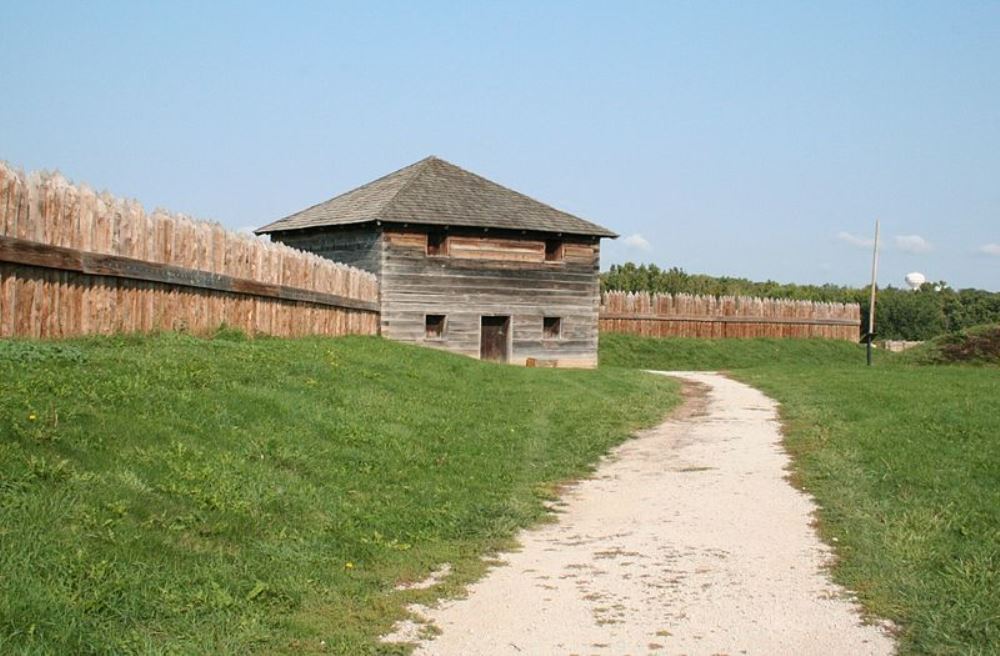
(871, 302)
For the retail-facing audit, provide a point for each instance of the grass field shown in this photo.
(171, 495)
(905, 463)
(680, 354)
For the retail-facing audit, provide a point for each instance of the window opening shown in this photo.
(437, 243)
(551, 327)
(553, 250)
(434, 325)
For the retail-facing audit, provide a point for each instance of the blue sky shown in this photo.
(752, 139)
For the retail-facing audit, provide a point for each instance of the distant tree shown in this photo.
(910, 315)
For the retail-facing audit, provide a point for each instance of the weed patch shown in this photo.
(979, 345)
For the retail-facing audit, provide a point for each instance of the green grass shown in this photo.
(682, 353)
(904, 461)
(171, 495)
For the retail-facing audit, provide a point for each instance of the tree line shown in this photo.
(932, 310)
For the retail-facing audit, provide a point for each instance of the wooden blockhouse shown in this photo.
(465, 264)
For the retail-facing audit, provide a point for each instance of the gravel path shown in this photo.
(687, 540)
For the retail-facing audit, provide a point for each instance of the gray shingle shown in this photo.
(436, 192)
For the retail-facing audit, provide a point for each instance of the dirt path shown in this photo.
(688, 540)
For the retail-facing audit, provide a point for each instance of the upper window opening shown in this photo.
(437, 243)
(551, 327)
(434, 324)
(553, 250)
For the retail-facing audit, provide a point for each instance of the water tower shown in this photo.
(915, 280)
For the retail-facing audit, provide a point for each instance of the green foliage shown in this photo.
(651, 278)
(900, 314)
(174, 495)
(978, 345)
(24, 352)
(910, 315)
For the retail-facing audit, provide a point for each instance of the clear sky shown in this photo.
(753, 139)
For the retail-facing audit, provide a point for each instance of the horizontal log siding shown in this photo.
(492, 276)
(483, 248)
(354, 246)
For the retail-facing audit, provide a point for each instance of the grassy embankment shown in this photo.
(979, 345)
(904, 461)
(175, 495)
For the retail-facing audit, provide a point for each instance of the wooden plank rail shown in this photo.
(31, 253)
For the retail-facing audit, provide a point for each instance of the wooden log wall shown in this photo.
(351, 245)
(492, 276)
(74, 262)
(686, 315)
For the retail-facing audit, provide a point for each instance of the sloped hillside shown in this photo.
(979, 345)
(175, 495)
(686, 353)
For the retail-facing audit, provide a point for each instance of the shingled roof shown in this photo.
(436, 192)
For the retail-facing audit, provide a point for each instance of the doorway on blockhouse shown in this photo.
(493, 338)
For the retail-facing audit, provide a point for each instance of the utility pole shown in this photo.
(871, 302)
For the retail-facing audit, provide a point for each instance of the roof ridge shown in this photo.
(511, 190)
(433, 191)
(421, 166)
(366, 185)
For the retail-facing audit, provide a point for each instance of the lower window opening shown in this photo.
(434, 325)
(552, 327)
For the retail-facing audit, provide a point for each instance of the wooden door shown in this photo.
(493, 338)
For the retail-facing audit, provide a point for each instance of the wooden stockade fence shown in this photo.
(687, 315)
(74, 262)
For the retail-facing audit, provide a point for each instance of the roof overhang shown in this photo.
(425, 225)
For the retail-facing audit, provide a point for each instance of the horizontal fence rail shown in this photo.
(688, 315)
(18, 251)
(73, 262)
